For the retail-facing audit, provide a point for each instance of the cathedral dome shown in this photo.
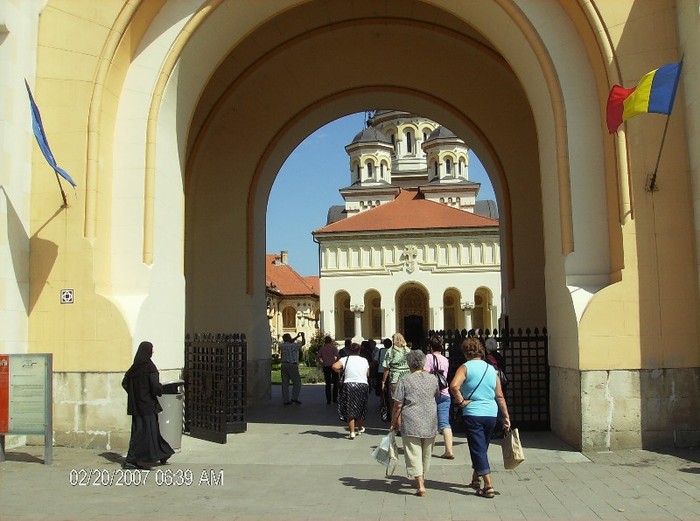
(370, 135)
(441, 133)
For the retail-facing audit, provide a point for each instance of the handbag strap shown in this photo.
(477, 385)
(435, 366)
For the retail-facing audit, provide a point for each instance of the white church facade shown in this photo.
(409, 251)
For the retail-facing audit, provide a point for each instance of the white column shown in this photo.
(328, 323)
(468, 308)
(357, 309)
(438, 318)
(389, 325)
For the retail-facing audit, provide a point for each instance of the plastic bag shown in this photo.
(513, 454)
(386, 452)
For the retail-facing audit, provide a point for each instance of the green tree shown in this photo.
(313, 347)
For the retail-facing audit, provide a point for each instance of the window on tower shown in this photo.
(370, 171)
(409, 143)
(448, 167)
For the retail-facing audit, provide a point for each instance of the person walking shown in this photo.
(435, 361)
(477, 389)
(352, 403)
(395, 365)
(498, 362)
(142, 386)
(378, 357)
(290, 354)
(415, 414)
(326, 357)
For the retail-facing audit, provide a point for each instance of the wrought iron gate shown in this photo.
(527, 368)
(215, 385)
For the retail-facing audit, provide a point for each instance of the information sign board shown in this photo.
(26, 397)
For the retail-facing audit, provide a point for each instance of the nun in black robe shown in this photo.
(142, 386)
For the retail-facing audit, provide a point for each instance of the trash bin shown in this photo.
(170, 419)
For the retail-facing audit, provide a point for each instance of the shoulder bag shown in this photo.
(457, 410)
(442, 381)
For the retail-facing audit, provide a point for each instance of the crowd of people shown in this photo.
(416, 405)
(413, 399)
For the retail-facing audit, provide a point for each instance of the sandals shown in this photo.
(475, 484)
(487, 492)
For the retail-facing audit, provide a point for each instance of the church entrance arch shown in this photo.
(344, 319)
(412, 305)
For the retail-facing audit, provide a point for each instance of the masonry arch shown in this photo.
(237, 99)
(413, 312)
(453, 317)
(344, 325)
(372, 315)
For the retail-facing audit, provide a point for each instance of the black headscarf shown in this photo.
(142, 361)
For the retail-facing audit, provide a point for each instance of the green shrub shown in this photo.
(312, 347)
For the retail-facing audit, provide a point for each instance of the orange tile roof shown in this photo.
(409, 211)
(287, 281)
(314, 282)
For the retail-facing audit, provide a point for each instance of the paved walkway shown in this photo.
(294, 463)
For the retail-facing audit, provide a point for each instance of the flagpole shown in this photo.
(63, 194)
(651, 185)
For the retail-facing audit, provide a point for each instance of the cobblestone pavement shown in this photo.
(296, 463)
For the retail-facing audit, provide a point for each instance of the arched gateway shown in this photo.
(175, 117)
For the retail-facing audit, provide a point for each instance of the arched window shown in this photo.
(393, 141)
(381, 171)
(435, 169)
(409, 143)
(289, 318)
(448, 166)
(370, 170)
(357, 173)
(348, 320)
(461, 164)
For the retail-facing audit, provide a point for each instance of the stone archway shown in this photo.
(236, 105)
(413, 315)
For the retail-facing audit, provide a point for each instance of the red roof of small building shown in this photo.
(314, 282)
(409, 211)
(288, 282)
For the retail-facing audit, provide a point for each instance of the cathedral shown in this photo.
(410, 250)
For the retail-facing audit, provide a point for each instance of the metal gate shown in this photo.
(215, 385)
(527, 368)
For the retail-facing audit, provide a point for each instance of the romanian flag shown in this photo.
(655, 93)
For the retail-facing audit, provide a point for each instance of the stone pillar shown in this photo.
(389, 323)
(328, 322)
(357, 309)
(468, 307)
(438, 318)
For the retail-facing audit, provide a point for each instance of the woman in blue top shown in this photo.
(477, 389)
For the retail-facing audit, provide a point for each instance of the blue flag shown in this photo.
(40, 136)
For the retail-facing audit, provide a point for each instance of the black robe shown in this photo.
(143, 387)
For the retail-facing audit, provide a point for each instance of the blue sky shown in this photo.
(307, 186)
